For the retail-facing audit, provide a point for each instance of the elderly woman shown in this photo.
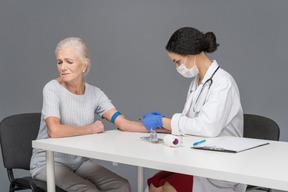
(69, 105)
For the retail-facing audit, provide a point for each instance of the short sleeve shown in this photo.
(104, 104)
(51, 104)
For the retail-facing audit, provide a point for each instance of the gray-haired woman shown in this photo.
(69, 105)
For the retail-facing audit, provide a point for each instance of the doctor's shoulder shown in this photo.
(224, 81)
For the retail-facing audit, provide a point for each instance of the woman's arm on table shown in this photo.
(55, 129)
(166, 123)
(126, 125)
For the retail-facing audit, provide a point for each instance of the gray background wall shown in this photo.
(126, 39)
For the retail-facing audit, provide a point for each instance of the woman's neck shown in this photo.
(203, 63)
(77, 88)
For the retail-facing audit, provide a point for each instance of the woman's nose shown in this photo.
(64, 66)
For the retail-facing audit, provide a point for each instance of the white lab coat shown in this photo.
(220, 114)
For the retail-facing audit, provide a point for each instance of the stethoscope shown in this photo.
(198, 105)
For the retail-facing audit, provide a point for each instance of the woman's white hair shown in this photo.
(80, 47)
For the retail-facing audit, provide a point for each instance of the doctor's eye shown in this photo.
(176, 61)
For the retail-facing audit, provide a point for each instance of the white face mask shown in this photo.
(188, 73)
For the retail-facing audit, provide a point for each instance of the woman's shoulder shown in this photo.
(223, 74)
(219, 74)
(51, 85)
(92, 88)
(224, 80)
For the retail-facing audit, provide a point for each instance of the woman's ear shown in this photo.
(86, 62)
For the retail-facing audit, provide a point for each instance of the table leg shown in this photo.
(140, 171)
(50, 171)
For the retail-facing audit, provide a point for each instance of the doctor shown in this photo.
(212, 107)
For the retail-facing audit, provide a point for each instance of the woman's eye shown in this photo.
(59, 62)
(70, 62)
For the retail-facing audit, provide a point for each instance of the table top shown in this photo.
(263, 166)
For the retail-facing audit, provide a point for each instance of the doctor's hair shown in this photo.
(191, 41)
(80, 47)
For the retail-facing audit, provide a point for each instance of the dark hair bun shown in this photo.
(191, 41)
(211, 42)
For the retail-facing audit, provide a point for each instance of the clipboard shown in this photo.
(231, 145)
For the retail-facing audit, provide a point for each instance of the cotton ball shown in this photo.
(171, 140)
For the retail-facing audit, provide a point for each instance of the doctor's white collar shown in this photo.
(210, 71)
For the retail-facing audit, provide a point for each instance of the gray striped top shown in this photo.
(71, 109)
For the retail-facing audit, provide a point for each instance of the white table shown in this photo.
(265, 166)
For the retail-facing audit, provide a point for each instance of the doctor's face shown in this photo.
(176, 58)
(180, 59)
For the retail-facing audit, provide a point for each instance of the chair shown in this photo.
(260, 127)
(16, 135)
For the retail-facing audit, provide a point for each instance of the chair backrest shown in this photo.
(16, 135)
(260, 127)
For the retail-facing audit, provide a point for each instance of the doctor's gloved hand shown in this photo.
(152, 114)
(152, 120)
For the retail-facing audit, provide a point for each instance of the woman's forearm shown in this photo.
(67, 131)
(57, 130)
(124, 124)
(166, 123)
(131, 126)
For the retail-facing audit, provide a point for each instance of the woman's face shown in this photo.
(69, 65)
(180, 59)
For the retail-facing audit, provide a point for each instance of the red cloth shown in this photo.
(180, 182)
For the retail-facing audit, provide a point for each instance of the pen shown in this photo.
(199, 142)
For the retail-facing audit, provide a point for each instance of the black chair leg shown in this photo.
(11, 188)
(34, 188)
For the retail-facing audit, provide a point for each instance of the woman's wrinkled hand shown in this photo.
(97, 127)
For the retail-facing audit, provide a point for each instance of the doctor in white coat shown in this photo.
(212, 108)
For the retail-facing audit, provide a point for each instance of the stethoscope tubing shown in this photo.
(211, 80)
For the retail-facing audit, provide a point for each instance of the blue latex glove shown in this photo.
(151, 114)
(152, 120)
